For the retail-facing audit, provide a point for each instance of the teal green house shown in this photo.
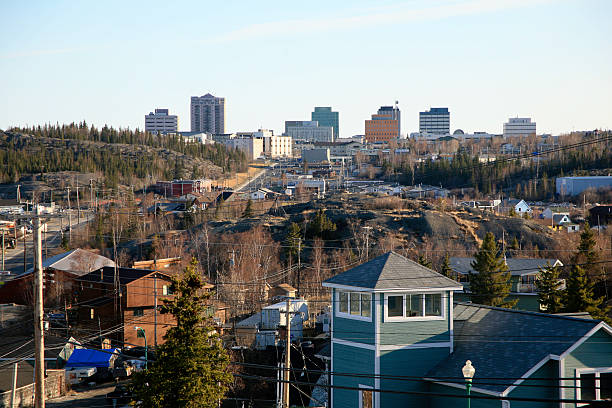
(523, 275)
(398, 339)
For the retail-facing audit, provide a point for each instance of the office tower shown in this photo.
(208, 114)
(161, 121)
(384, 126)
(519, 127)
(309, 130)
(435, 121)
(326, 117)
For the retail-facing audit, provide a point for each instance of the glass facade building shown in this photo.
(326, 117)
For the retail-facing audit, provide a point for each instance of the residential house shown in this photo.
(559, 219)
(100, 308)
(548, 213)
(262, 329)
(60, 273)
(600, 215)
(523, 275)
(394, 321)
(520, 207)
(486, 205)
(262, 194)
(282, 290)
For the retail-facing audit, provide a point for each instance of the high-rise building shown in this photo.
(326, 117)
(161, 121)
(519, 127)
(208, 114)
(384, 125)
(435, 121)
(309, 130)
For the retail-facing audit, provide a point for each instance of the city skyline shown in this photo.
(486, 61)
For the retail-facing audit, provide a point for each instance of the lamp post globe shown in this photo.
(468, 372)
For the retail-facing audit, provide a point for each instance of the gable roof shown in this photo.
(77, 261)
(559, 217)
(506, 343)
(107, 275)
(392, 271)
(517, 266)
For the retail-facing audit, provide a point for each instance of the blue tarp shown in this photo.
(91, 358)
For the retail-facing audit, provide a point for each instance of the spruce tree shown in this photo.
(446, 269)
(579, 296)
(191, 369)
(491, 284)
(248, 211)
(549, 294)
(291, 241)
(587, 254)
(424, 261)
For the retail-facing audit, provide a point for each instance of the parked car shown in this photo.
(120, 395)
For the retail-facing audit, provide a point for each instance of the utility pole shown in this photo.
(39, 340)
(299, 265)
(15, 367)
(155, 302)
(78, 205)
(25, 250)
(367, 239)
(287, 356)
(69, 218)
(2, 249)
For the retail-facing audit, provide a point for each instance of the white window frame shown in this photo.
(363, 388)
(348, 314)
(403, 317)
(596, 371)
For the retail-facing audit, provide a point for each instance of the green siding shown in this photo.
(534, 388)
(595, 352)
(450, 402)
(411, 362)
(411, 332)
(359, 331)
(352, 360)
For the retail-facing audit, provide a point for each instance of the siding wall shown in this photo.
(350, 360)
(352, 329)
(595, 352)
(549, 388)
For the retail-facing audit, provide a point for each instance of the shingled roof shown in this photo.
(517, 266)
(392, 271)
(506, 343)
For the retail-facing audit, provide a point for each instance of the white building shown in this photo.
(435, 121)
(309, 130)
(519, 127)
(252, 147)
(575, 185)
(277, 146)
(161, 121)
(208, 114)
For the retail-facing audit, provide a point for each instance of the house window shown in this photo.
(594, 383)
(355, 305)
(91, 313)
(139, 311)
(366, 398)
(167, 290)
(414, 306)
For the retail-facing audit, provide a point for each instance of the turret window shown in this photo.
(356, 305)
(414, 306)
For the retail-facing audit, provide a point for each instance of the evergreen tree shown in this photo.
(192, 367)
(491, 284)
(248, 211)
(292, 241)
(515, 244)
(549, 294)
(579, 296)
(587, 254)
(424, 261)
(446, 269)
(321, 226)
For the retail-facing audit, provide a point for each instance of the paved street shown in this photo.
(52, 238)
(83, 397)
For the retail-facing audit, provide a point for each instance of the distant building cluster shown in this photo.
(161, 121)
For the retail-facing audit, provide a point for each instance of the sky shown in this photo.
(112, 62)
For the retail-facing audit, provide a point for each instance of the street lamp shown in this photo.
(140, 330)
(468, 373)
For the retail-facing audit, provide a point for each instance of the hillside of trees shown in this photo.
(120, 155)
(525, 177)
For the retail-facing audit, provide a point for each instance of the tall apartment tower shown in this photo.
(326, 117)
(384, 126)
(161, 121)
(435, 121)
(208, 114)
(519, 127)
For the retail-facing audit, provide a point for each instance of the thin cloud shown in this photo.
(39, 53)
(388, 15)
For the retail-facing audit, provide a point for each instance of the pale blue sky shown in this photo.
(486, 60)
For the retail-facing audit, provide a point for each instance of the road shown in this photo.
(52, 239)
(83, 397)
(256, 181)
